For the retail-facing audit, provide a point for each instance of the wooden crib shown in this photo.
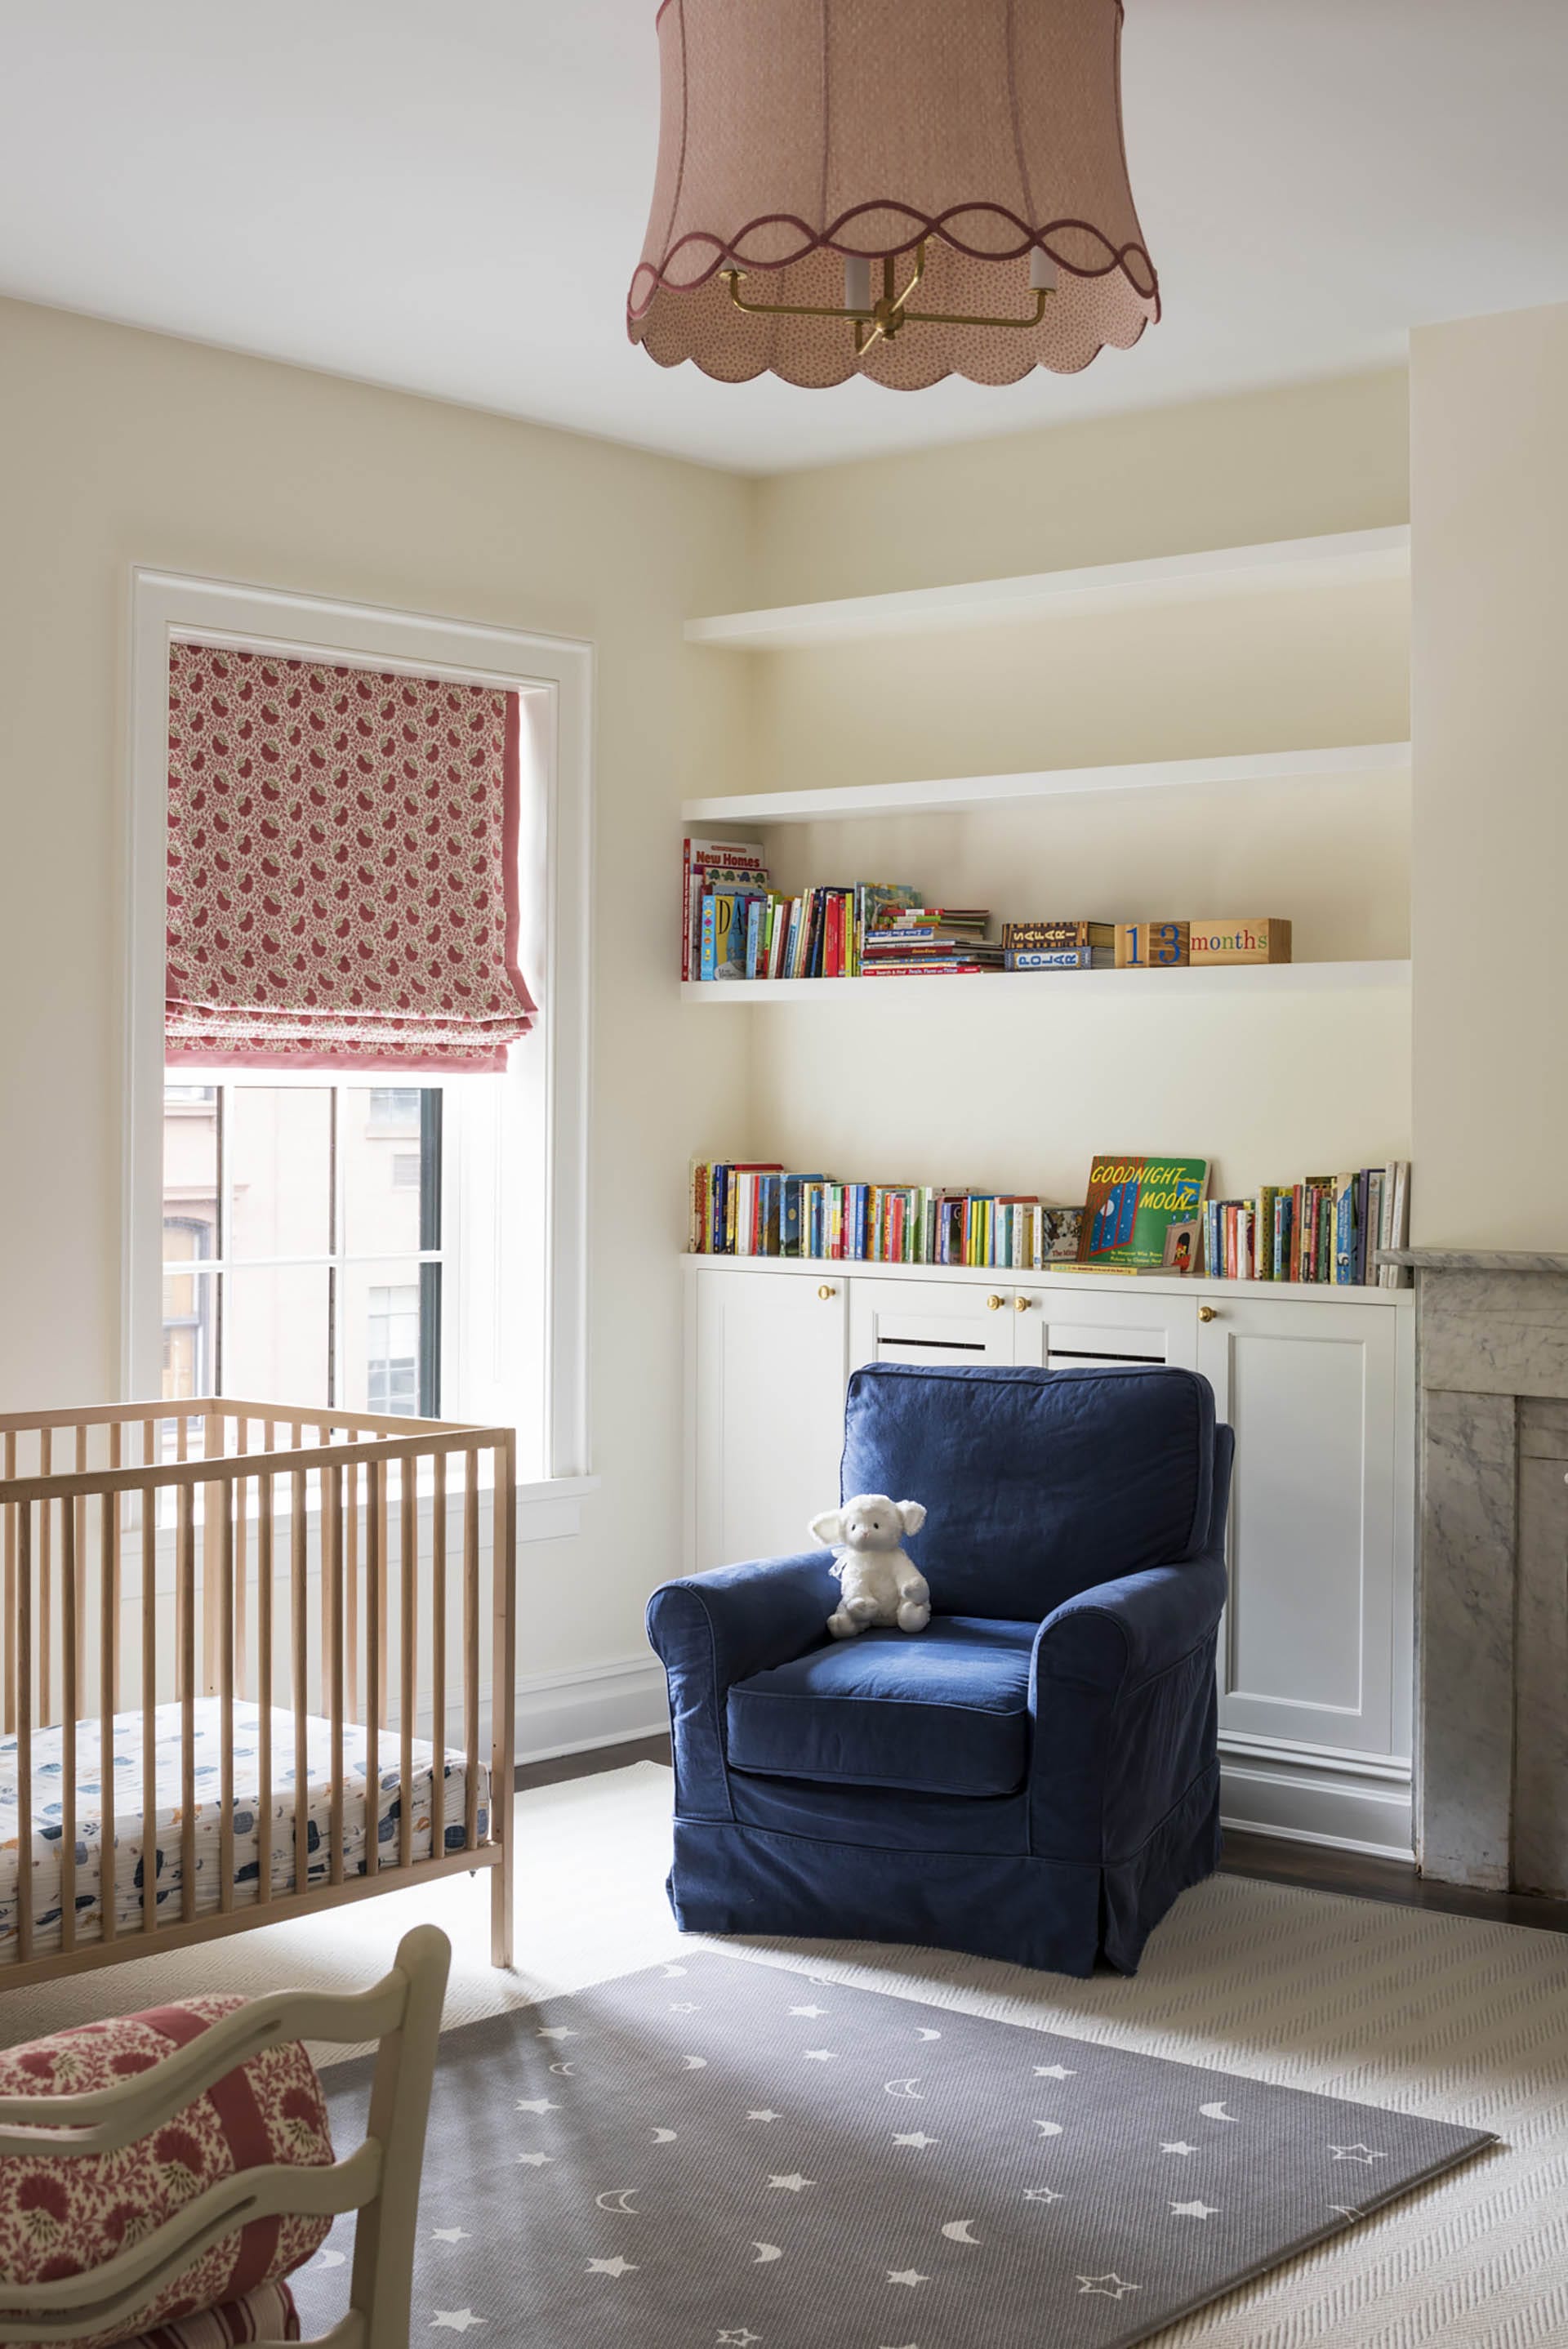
(178, 1581)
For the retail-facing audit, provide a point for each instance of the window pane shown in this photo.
(382, 1327)
(190, 1172)
(279, 1172)
(276, 1333)
(391, 1147)
(189, 1308)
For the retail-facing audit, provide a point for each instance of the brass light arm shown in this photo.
(887, 316)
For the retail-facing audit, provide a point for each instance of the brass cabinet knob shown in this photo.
(826, 1291)
(1022, 1304)
(996, 1303)
(1207, 1312)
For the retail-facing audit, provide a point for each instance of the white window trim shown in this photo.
(554, 677)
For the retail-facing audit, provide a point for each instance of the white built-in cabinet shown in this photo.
(1315, 1650)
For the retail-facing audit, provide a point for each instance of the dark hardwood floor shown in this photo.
(1268, 1856)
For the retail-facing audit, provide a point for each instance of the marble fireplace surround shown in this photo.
(1491, 1630)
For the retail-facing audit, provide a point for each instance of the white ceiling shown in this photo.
(450, 196)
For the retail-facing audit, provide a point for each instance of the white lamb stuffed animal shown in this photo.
(880, 1581)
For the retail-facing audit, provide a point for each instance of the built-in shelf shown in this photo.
(1060, 988)
(951, 793)
(1334, 560)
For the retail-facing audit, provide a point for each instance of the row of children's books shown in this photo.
(762, 1211)
(736, 925)
(1326, 1228)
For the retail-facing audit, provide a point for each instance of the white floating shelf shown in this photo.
(1061, 987)
(1334, 560)
(953, 793)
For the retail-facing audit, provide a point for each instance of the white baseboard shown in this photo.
(1302, 1801)
(601, 1704)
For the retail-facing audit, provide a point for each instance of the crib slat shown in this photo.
(332, 1584)
(10, 1654)
(185, 1602)
(69, 1632)
(351, 1581)
(46, 1580)
(25, 1729)
(266, 1502)
(226, 1567)
(472, 1649)
(375, 1566)
(376, 1627)
(150, 1849)
(298, 1563)
(109, 1692)
(241, 1609)
(82, 1554)
(409, 1588)
(439, 1659)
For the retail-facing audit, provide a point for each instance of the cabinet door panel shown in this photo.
(1308, 1650)
(769, 1394)
(927, 1323)
(1063, 1326)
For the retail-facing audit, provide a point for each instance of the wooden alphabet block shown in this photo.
(1151, 945)
(1238, 941)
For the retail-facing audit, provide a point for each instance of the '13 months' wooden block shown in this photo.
(1151, 945)
(1234, 941)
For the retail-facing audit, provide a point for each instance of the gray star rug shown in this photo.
(721, 2153)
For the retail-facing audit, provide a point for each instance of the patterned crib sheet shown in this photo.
(129, 1836)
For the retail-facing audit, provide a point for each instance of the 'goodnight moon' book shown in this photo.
(1142, 1215)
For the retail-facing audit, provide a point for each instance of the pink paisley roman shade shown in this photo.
(342, 867)
(796, 134)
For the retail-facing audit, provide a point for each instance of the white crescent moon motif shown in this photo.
(694, 2063)
(904, 2088)
(616, 2199)
(331, 2259)
(1049, 2128)
(567, 2071)
(957, 2230)
(766, 2251)
(923, 2034)
(663, 2137)
(1216, 2112)
(671, 1973)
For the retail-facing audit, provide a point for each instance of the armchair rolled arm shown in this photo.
(1122, 1633)
(709, 1631)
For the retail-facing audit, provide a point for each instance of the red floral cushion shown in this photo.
(59, 2217)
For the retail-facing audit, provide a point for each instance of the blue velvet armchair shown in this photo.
(1034, 1777)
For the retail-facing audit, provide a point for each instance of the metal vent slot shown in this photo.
(935, 1345)
(1085, 1354)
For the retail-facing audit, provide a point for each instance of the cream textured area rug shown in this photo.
(1401, 2008)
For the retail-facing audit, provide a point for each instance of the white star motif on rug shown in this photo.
(615, 2267)
(1040, 2194)
(1181, 2146)
(1049, 2128)
(916, 2138)
(820, 2055)
(557, 2031)
(740, 2338)
(1110, 2287)
(793, 2183)
(452, 2234)
(455, 2320)
(764, 2117)
(1362, 2153)
(1054, 2072)
(906, 2275)
(810, 2013)
(685, 2006)
(536, 2104)
(671, 1972)
(535, 2160)
(1194, 2209)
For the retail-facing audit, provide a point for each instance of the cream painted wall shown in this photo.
(1024, 1093)
(1489, 524)
(118, 448)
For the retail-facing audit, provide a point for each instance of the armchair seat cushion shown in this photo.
(945, 1712)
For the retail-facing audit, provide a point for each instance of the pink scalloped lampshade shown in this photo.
(798, 135)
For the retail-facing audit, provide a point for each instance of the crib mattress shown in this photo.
(131, 1838)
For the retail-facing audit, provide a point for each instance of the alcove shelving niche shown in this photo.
(1150, 791)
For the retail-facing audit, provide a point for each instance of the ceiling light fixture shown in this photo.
(901, 188)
